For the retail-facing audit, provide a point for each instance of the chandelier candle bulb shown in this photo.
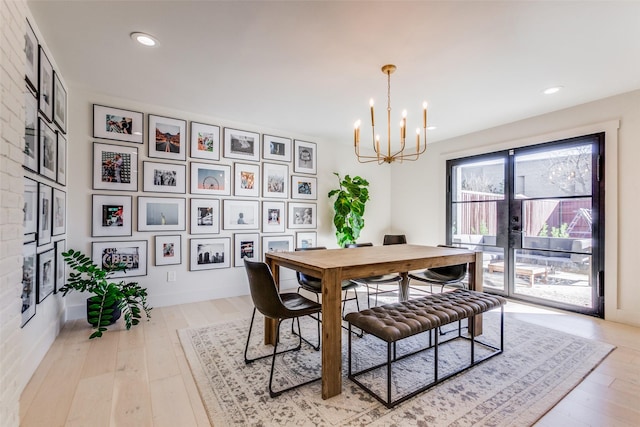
(417, 139)
(424, 114)
(371, 105)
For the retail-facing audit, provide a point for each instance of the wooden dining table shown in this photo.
(335, 265)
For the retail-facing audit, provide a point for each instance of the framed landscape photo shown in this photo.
(44, 214)
(241, 214)
(30, 215)
(45, 86)
(31, 142)
(131, 253)
(61, 266)
(46, 274)
(115, 167)
(302, 215)
(167, 138)
(304, 157)
(168, 250)
(245, 247)
(48, 151)
(246, 179)
(304, 187)
(161, 214)
(306, 239)
(277, 244)
(59, 103)
(273, 217)
(208, 254)
(214, 180)
(239, 144)
(62, 160)
(205, 141)
(31, 56)
(164, 177)
(117, 124)
(29, 275)
(111, 216)
(59, 212)
(276, 148)
(205, 216)
(275, 180)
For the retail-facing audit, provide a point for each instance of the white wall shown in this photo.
(421, 185)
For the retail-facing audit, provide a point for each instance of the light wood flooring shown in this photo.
(141, 377)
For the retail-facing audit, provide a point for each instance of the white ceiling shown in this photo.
(310, 67)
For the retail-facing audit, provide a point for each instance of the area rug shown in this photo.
(538, 368)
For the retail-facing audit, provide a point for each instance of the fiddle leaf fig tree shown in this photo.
(352, 195)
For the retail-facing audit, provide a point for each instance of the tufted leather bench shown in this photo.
(394, 322)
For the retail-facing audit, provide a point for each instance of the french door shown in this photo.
(536, 212)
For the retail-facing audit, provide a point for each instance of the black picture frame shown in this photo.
(45, 85)
(29, 282)
(61, 176)
(111, 215)
(167, 138)
(164, 177)
(132, 252)
(168, 249)
(48, 150)
(118, 124)
(115, 167)
(31, 57)
(44, 214)
(61, 265)
(46, 274)
(59, 220)
(31, 159)
(30, 215)
(242, 145)
(59, 103)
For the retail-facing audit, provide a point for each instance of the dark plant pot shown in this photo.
(115, 315)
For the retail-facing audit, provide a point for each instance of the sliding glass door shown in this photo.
(537, 214)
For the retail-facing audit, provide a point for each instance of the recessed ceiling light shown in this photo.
(144, 39)
(431, 127)
(552, 90)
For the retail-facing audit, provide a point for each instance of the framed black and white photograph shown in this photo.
(161, 214)
(48, 151)
(62, 160)
(275, 180)
(208, 254)
(31, 56)
(117, 124)
(246, 180)
(276, 148)
(44, 214)
(205, 216)
(164, 177)
(59, 212)
(168, 250)
(30, 209)
(131, 253)
(167, 138)
(304, 187)
(61, 266)
(302, 215)
(214, 180)
(29, 275)
(277, 244)
(59, 103)
(45, 86)
(205, 141)
(239, 144)
(46, 274)
(306, 239)
(245, 247)
(273, 217)
(111, 216)
(115, 167)
(241, 214)
(304, 157)
(31, 132)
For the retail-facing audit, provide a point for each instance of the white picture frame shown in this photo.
(304, 187)
(275, 180)
(115, 167)
(118, 124)
(276, 148)
(302, 215)
(241, 214)
(205, 141)
(211, 179)
(62, 160)
(29, 282)
(161, 214)
(59, 220)
(111, 215)
(242, 145)
(46, 274)
(273, 217)
(48, 150)
(277, 244)
(210, 253)
(44, 214)
(304, 157)
(164, 177)
(167, 138)
(306, 239)
(168, 250)
(133, 253)
(246, 178)
(245, 245)
(204, 216)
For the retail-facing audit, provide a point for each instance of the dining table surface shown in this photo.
(333, 266)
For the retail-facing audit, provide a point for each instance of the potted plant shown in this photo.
(110, 299)
(352, 195)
